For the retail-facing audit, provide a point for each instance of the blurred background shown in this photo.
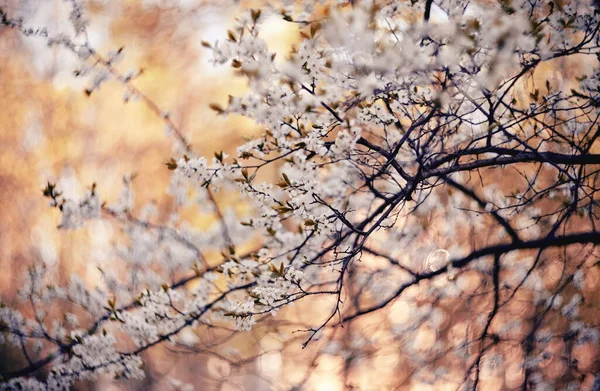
(51, 130)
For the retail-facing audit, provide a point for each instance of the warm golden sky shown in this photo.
(52, 130)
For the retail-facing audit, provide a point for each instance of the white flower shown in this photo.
(579, 279)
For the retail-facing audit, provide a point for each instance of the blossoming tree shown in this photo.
(437, 196)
